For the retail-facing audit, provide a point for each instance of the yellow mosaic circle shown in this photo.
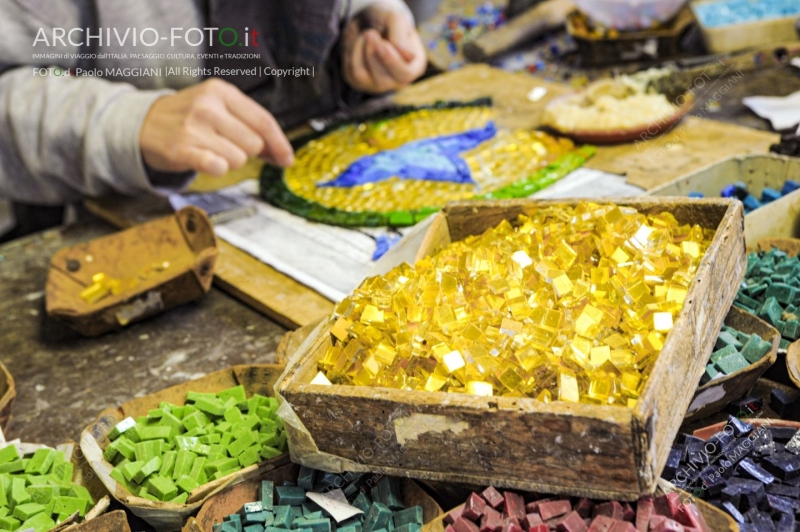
(511, 155)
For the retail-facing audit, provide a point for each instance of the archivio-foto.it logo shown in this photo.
(146, 37)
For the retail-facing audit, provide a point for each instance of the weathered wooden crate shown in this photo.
(744, 35)
(780, 218)
(713, 396)
(231, 500)
(577, 449)
(167, 516)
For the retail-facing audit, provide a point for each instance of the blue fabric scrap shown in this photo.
(384, 243)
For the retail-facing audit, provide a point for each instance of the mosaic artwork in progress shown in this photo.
(572, 304)
(400, 166)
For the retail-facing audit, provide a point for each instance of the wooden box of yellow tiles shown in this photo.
(557, 351)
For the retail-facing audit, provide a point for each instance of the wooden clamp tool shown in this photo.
(536, 21)
(112, 281)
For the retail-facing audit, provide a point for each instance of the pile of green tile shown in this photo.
(172, 450)
(286, 507)
(771, 291)
(36, 491)
(734, 351)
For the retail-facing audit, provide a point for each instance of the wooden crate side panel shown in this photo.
(780, 218)
(437, 237)
(678, 368)
(514, 445)
(757, 171)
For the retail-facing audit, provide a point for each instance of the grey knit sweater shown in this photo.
(65, 137)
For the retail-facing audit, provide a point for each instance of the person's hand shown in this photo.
(213, 128)
(382, 50)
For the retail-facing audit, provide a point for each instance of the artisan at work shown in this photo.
(573, 304)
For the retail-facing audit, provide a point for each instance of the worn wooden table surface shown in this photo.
(63, 380)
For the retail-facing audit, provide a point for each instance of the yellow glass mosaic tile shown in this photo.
(573, 303)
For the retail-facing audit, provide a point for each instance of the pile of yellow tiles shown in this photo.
(573, 303)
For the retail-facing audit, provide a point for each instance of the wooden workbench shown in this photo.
(64, 381)
(79, 377)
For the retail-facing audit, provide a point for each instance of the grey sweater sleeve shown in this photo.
(63, 138)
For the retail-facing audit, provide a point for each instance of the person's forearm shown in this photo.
(62, 138)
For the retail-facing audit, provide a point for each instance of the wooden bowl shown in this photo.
(8, 393)
(168, 516)
(789, 245)
(620, 136)
(232, 499)
(714, 395)
(707, 432)
(115, 521)
(716, 519)
(793, 362)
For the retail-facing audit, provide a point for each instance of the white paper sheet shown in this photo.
(589, 183)
(340, 511)
(782, 112)
(331, 260)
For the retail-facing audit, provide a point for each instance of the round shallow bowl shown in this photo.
(630, 15)
(233, 498)
(620, 136)
(706, 432)
(793, 362)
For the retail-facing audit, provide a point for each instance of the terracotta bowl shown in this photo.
(620, 136)
(707, 432)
